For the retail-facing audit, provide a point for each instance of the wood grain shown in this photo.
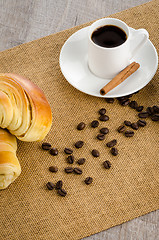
(22, 21)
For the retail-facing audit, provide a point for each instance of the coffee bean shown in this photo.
(139, 109)
(53, 169)
(79, 144)
(156, 109)
(112, 143)
(114, 151)
(121, 128)
(62, 192)
(94, 124)
(135, 126)
(143, 114)
(95, 153)
(53, 151)
(150, 110)
(107, 164)
(68, 169)
(104, 130)
(120, 99)
(103, 118)
(129, 133)
(127, 123)
(81, 126)
(50, 185)
(102, 111)
(46, 146)
(59, 184)
(109, 100)
(77, 170)
(100, 136)
(133, 104)
(68, 150)
(141, 123)
(88, 180)
(70, 159)
(155, 117)
(81, 161)
(125, 102)
(129, 96)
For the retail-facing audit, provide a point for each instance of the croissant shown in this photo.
(24, 109)
(9, 165)
(26, 113)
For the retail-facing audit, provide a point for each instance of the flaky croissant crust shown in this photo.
(24, 109)
(9, 165)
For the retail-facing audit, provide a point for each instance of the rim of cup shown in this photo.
(105, 21)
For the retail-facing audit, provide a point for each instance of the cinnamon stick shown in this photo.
(119, 78)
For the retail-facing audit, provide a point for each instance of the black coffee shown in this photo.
(109, 36)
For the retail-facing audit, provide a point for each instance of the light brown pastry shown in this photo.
(24, 109)
(9, 165)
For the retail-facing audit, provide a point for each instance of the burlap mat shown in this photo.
(128, 190)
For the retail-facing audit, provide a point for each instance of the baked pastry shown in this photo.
(24, 109)
(26, 113)
(9, 165)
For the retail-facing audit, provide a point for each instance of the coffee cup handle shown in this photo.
(145, 35)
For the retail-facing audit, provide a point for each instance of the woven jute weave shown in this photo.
(128, 190)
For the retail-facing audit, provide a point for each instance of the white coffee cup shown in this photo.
(107, 62)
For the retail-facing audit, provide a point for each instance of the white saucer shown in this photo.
(73, 64)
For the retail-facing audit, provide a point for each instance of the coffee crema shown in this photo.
(109, 36)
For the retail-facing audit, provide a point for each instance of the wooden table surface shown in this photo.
(26, 20)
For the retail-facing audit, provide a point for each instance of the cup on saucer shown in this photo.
(110, 46)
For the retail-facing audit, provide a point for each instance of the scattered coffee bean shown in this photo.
(68, 150)
(141, 123)
(81, 161)
(150, 110)
(95, 153)
(88, 180)
(102, 111)
(81, 126)
(77, 170)
(68, 169)
(120, 99)
(133, 104)
(53, 151)
(62, 192)
(155, 117)
(114, 151)
(103, 118)
(129, 96)
(121, 128)
(129, 133)
(59, 184)
(70, 159)
(107, 164)
(125, 102)
(94, 124)
(50, 185)
(143, 114)
(109, 100)
(127, 123)
(139, 109)
(79, 144)
(100, 136)
(135, 126)
(53, 169)
(156, 109)
(104, 130)
(46, 146)
(112, 143)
